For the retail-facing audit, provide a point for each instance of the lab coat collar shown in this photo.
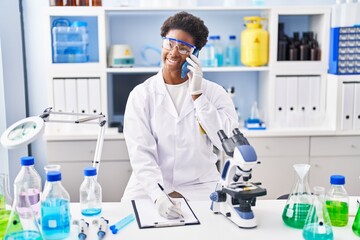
(167, 102)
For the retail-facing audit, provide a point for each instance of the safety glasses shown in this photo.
(183, 47)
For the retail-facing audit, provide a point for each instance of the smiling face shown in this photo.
(172, 59)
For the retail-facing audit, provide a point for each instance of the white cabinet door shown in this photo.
(323, 167)
(335, 155)
(277, 156)
(73, 156)
(113, 178)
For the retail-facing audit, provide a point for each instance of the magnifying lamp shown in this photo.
(27, 130)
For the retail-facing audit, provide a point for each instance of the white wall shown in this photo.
(12, 81)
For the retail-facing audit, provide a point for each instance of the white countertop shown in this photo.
(212, 226)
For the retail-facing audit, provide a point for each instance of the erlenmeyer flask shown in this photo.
(299, 201)
(22, 226)
(356, 224)
(5, 203)
(317, 224)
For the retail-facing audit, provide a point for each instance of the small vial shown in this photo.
(337, 201)
(90, 193)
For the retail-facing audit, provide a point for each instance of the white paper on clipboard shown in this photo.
(147, 215)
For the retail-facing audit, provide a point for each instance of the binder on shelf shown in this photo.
(147, 215)
(70, 95)
(347, 105)
(303, 98)
(356, 114)
(315, 94)
(94, 95)
(291, 100)
(280, 99)
(59, 94)
(82, 95)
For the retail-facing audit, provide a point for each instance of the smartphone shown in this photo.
(184, 69)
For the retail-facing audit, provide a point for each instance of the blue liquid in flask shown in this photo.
(55, 218)
(314, 231)
(91, 212)
(24, 235)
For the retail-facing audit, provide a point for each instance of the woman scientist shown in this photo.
(171, 123)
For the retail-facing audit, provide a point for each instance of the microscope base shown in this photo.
(241, 219)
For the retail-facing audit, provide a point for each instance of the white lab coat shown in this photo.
(168, 148)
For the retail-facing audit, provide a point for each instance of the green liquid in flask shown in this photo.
(4, 218)
(356, 224)
(338, 213)
(296, 216)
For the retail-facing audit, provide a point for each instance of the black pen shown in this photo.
(162, 189)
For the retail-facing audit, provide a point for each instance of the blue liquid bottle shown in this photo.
(90, 193)
(55, 208)
(232, 53)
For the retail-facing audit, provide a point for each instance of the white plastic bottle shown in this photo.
(28, 178)
(90, 193)
(337, 201)
(232, 53)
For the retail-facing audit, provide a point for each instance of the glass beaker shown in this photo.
(5, 203)
(317, 224)
(299, 201)
(22, 226)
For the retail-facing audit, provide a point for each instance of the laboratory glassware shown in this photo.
(5, 203)
(337, 201)
(299, 201)
(30, 177)
(356, 224)
(23, 223)
(90, 193)
(317, 224)
(55, 208)
(232, 53)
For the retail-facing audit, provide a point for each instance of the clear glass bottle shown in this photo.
(317, 224)
(90, 193)
(299, 201)
(337, 201)
(55, 208)
(232, 53)
(219, 51)
(207, 54)
(30, 177)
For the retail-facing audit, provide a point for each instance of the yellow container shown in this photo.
(254, 43)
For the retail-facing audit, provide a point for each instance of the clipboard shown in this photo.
(147, 215)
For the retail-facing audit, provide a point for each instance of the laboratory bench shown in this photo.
(212, 226)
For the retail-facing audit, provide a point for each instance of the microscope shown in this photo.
(234, 198)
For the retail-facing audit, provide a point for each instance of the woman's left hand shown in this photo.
(195, 75)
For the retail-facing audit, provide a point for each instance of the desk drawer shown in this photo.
(61, 151)
(335, 146)
(280, 146)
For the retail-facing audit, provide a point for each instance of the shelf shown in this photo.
(215, 69)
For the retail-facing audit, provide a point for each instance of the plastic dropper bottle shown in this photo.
(337, 201)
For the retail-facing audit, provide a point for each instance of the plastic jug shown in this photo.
(254, 43)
